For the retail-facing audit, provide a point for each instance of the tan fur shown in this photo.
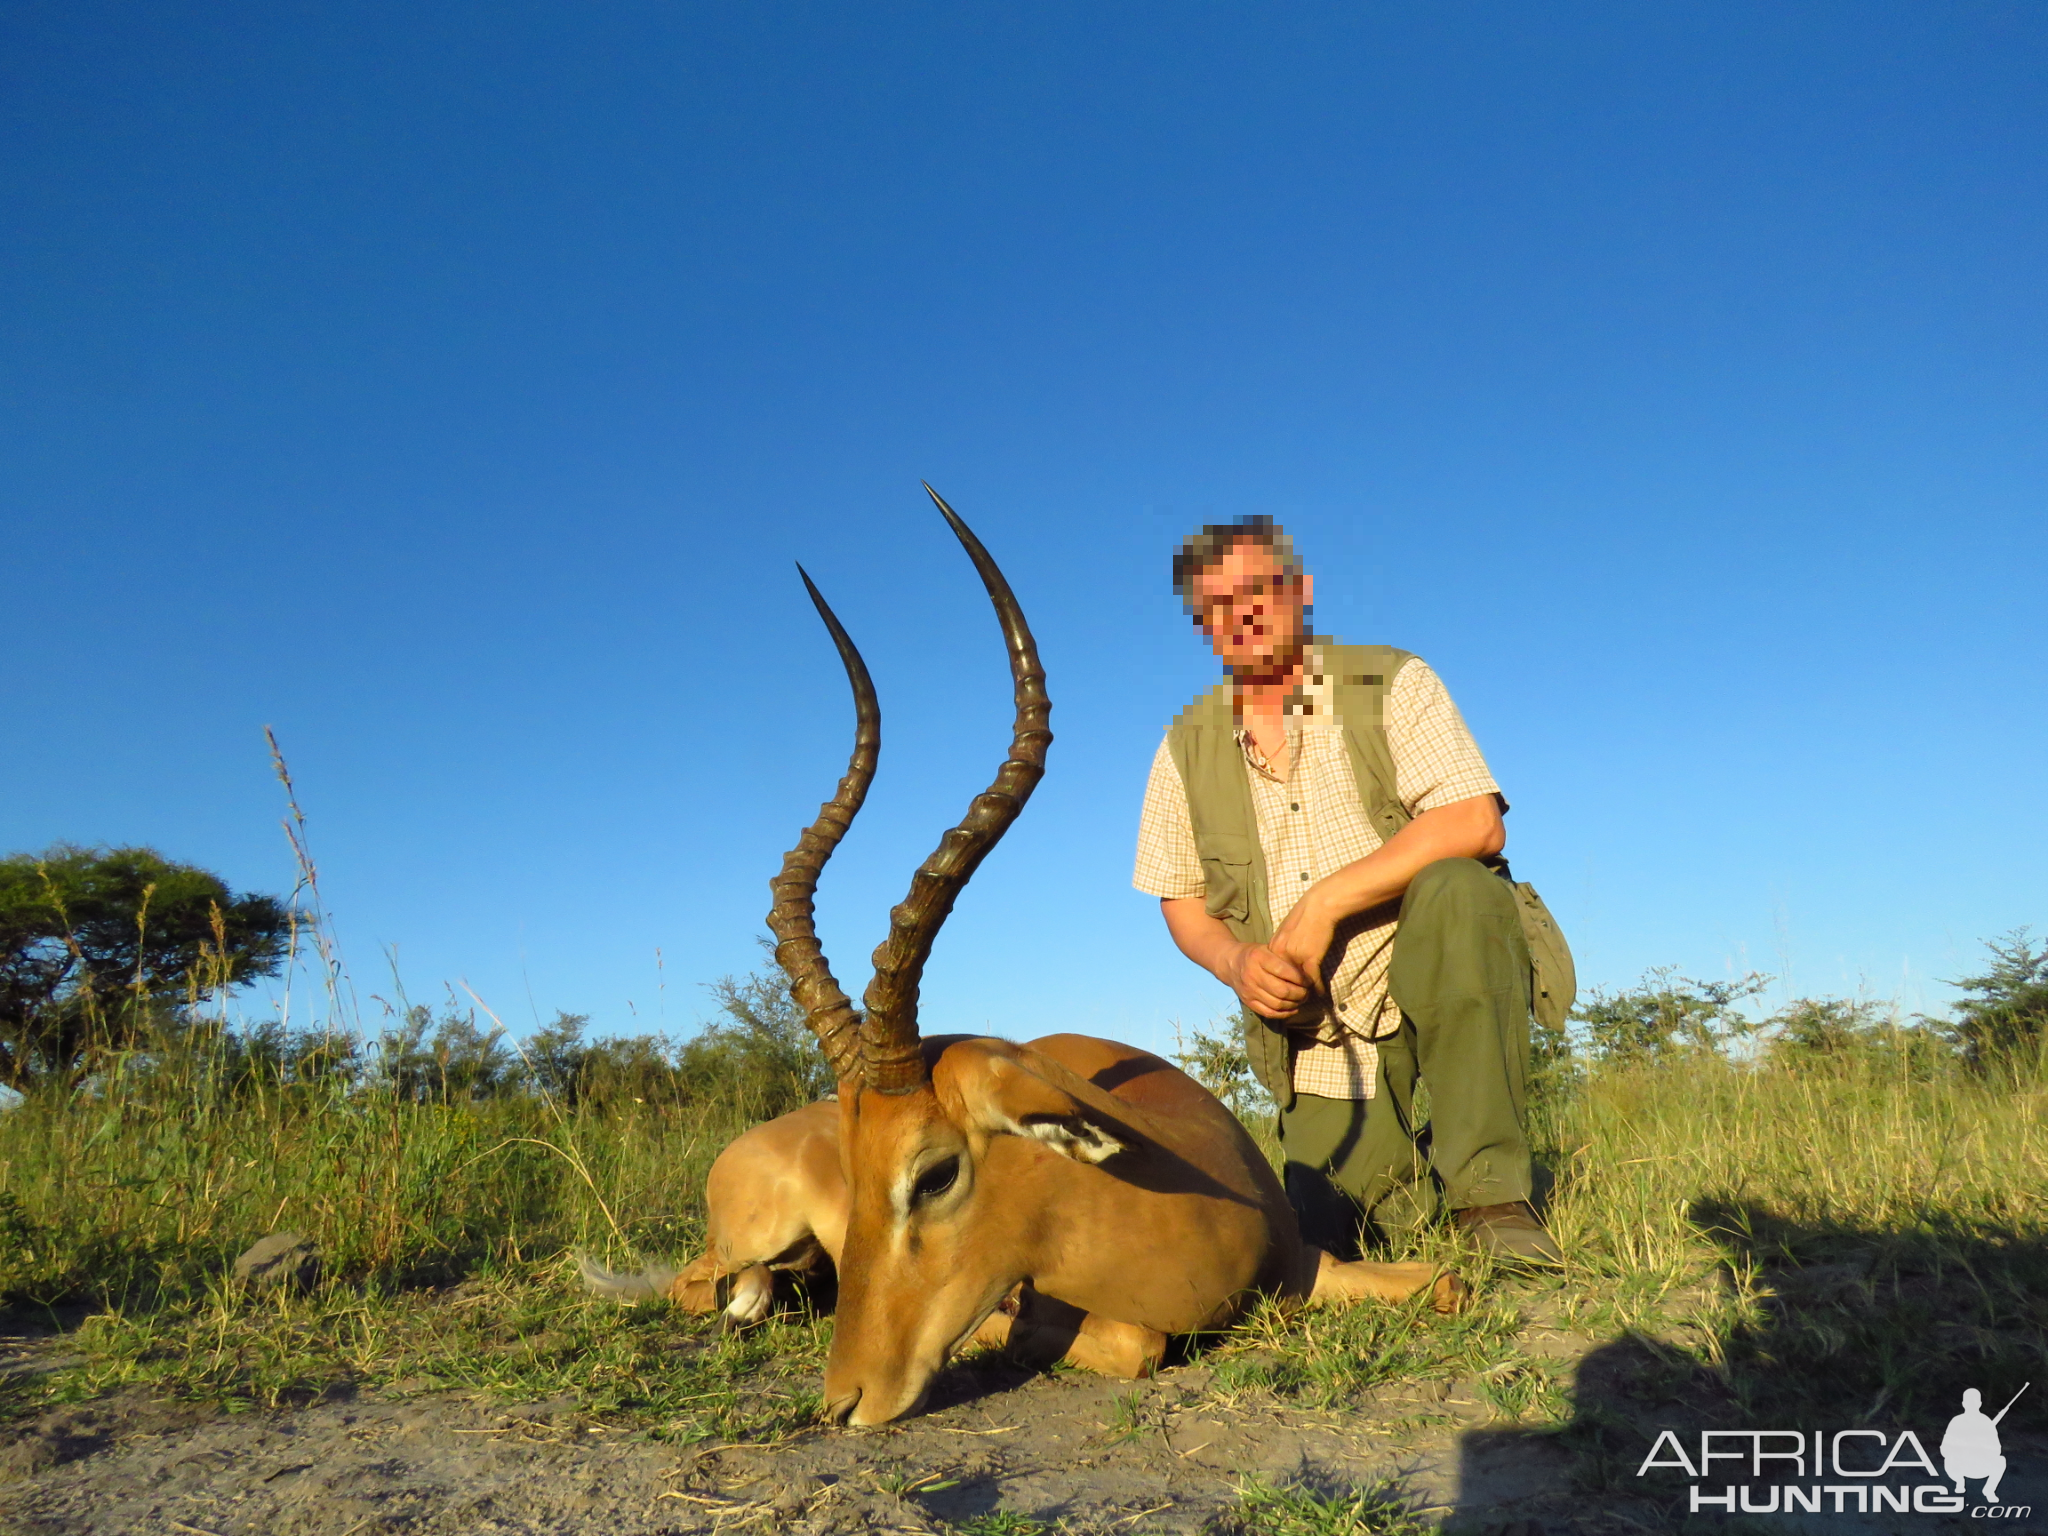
(1044, 1330)
(776, 1201)
(1338, 1283)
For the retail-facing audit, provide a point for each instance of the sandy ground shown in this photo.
(1042, 1448)
(1056, 1448)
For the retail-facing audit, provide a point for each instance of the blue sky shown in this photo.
(451, 387)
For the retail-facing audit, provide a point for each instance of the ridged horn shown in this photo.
(826, 1006)
(892, 1062)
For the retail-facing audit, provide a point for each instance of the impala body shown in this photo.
(1071, 1196)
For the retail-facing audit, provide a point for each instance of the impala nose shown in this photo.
(840, 1409)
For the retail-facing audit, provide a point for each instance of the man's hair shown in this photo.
(1209, 544)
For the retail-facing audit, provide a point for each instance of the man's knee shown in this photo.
(1456, 905)
(1459, 937)
(1458, 885)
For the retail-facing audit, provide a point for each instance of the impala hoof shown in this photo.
(696, 1297)
(752, 1295)
(1449, 1295)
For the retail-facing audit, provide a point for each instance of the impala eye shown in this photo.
(935, 1180)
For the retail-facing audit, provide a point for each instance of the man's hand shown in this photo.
(1266, 981)
(1305, 938)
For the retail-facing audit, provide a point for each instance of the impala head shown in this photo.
(933, 1133)
(948, 1181)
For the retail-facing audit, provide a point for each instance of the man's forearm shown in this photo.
(1265, 982)
(1464, 829)
(1205, 940)
(1275, 977)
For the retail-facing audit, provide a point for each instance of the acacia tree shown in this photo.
(2004, 1022)
(98, 943)
(1666, 1013)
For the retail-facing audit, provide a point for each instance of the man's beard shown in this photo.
(1277, 663)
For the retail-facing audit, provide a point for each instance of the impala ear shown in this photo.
(989, 1086)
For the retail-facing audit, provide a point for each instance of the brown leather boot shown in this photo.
(1509, 1231)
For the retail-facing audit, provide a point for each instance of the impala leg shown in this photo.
(1042, 1330)
(744, 1294)
(1338, 1283)
(753, 1293)
(695, 1290)
(1129, 1350)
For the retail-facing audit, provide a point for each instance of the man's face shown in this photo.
(1251, 612)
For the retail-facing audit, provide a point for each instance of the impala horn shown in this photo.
(892, 1062)
(825, 1004)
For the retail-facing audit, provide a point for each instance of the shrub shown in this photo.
(1841, 1030)
(2004, 1023)
(762, 1055)
(1666, 1012)
(427, 1060)
(757, 1061)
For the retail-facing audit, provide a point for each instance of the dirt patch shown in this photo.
(1090, 1454)
(74, 1433)
(1167, 1455)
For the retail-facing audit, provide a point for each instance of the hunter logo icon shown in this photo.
(1970, 1448)
(1864, 1471)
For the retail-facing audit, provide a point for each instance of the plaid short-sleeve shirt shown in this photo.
(1311, 824)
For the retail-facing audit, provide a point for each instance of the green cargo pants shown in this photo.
(1460, 975)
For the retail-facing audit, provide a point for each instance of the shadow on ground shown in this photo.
(1854, 1329)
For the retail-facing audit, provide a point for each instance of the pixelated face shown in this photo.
(1251, 610)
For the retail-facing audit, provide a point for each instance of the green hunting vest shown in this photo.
(1204, 745)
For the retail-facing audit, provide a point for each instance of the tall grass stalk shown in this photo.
(137, 1195)
(1653, 1156)
(1831, 1239)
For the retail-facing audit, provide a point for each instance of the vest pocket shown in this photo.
(1226, 875)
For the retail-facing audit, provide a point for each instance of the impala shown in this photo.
(1068, 1195)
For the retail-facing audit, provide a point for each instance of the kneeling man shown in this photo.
(1324, 837)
